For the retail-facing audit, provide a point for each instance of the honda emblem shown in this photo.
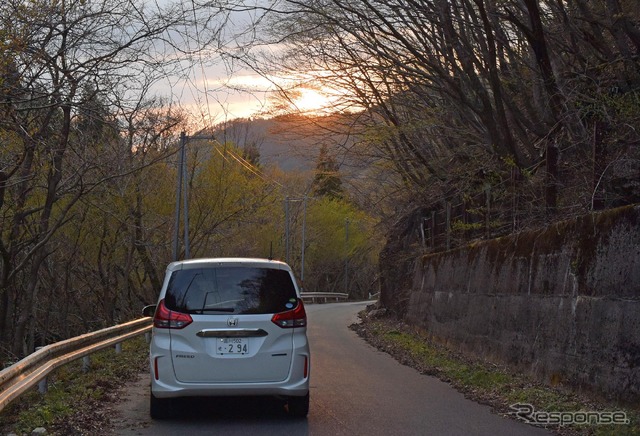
(232, 322)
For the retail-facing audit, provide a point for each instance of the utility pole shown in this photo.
(185, 199)
(346, 255)
(286, 230)
(176, 229)
(304, 225)
(181, 189)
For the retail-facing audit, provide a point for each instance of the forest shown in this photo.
(474, 118)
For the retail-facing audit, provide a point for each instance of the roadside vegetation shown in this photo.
(488, 383)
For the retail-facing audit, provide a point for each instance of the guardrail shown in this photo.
(24, 374)
(314, 297)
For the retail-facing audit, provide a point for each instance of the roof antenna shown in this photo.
(271, 250)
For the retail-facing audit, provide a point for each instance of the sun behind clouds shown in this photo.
(311, 100)
(307, 99)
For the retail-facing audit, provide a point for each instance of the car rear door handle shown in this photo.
(232, 333)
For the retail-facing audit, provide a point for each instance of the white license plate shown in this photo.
(232, 346)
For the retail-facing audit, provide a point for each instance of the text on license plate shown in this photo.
(232, 346)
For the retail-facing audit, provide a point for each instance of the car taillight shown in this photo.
(169, 319)
(296, 317)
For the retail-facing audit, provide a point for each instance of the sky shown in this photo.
(217, 89)
(245, 95)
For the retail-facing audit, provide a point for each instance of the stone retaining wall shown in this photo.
(562, 303)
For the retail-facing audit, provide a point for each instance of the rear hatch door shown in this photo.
(232, 338)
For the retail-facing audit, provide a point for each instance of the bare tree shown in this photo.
(450, 91)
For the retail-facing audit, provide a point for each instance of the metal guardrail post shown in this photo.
(42, 386)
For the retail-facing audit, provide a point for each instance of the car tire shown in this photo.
(160, 408)
(298, 407)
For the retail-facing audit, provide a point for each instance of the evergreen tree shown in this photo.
(327, 182)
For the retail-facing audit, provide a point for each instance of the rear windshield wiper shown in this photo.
(214, 309)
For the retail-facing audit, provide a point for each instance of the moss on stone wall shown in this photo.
(560, 300)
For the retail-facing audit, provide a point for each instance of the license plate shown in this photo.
(232, 346)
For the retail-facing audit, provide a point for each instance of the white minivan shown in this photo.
(229, 327)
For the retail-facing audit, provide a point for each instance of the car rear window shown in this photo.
(230, 290)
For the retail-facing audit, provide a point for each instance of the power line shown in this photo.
(246, 164)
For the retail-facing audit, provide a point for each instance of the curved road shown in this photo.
(355, 390)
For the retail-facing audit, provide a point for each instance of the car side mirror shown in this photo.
(149, 310)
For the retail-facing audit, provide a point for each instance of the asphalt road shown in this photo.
(355, 390)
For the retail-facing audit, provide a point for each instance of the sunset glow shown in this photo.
(310, 100)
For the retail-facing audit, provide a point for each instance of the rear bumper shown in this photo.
(163, 390)
(295, 385)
